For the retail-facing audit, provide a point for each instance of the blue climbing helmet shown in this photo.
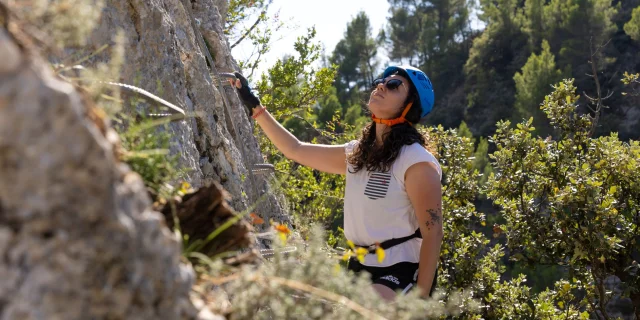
(422, 84)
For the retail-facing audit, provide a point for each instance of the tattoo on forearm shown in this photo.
(436, 217)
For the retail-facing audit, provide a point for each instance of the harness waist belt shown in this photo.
(394, 242)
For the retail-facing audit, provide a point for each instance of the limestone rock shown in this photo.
(163, 56)
(77, 237)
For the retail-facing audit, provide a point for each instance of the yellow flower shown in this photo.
(380, 254)
(282, 231)
(347, 255)
(360, 253)
(283, 237)
(184, 188)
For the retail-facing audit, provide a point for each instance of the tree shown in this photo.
(533, 84)
(433, 35)
(575, 29)
(327, 107)
(356, 58)
(495, 57)
(533, 21)
(632, 28)
(571, 202)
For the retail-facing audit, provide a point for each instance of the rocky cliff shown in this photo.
(78, 237)
(163, 55)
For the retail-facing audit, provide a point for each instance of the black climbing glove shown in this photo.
(248, 98)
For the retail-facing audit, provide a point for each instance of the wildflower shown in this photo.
(379, 252)
(255, 219)
(360, 253)
(283, 231)
(347, 255)
(185, 188)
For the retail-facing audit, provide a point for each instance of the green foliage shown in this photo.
(309, 283)
(494, 58)
(481, 160)
(532, 20)
(632, 28)
(481, 154)
(355, 56)
(574, 27)
(354, 117)
(569, 202)
(426, 29)
(461, 263)
(146, 150)
(632, 81)
(463, 131)
(435, 36)
(67, 23)
(328, 106)
(533, 84)
(259, 31)
(241, 10)
(292, 85)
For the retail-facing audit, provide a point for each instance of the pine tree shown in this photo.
(433, 35)
(533, 84)
(496, 55)
(576, 27)
(463, 131)
(356, 58)
(632, 28)
(533, 21)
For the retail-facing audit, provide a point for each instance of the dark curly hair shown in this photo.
(379, 158)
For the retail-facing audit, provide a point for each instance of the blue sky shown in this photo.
(330, 18)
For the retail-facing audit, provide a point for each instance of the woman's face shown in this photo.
(388, 103)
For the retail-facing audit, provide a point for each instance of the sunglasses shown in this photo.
(391, 84)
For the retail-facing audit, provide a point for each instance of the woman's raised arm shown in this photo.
(326, 158)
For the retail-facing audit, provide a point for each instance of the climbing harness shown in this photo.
(392, 242)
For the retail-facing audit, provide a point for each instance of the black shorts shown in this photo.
(402, 276)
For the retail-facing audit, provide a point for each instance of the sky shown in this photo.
(330, 18)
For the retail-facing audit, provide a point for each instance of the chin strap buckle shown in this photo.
(393, 122)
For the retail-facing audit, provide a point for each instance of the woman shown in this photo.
(393, 189)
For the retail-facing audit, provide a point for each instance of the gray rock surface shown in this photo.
(78, 239)
(163, 56)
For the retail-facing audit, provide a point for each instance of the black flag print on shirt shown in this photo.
(377, 185)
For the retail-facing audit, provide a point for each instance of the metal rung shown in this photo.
(270, 252)
(263, 168)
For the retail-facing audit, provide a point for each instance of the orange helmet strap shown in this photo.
(393, 122)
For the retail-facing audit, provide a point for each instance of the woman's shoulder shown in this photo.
(350, 146)
(416, 149)
(412, 154)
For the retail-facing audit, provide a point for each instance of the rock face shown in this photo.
(78, 239)
(163, 56)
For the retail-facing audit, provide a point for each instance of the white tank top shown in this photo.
(377, 207)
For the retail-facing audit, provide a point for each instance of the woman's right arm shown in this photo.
(326, 158)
